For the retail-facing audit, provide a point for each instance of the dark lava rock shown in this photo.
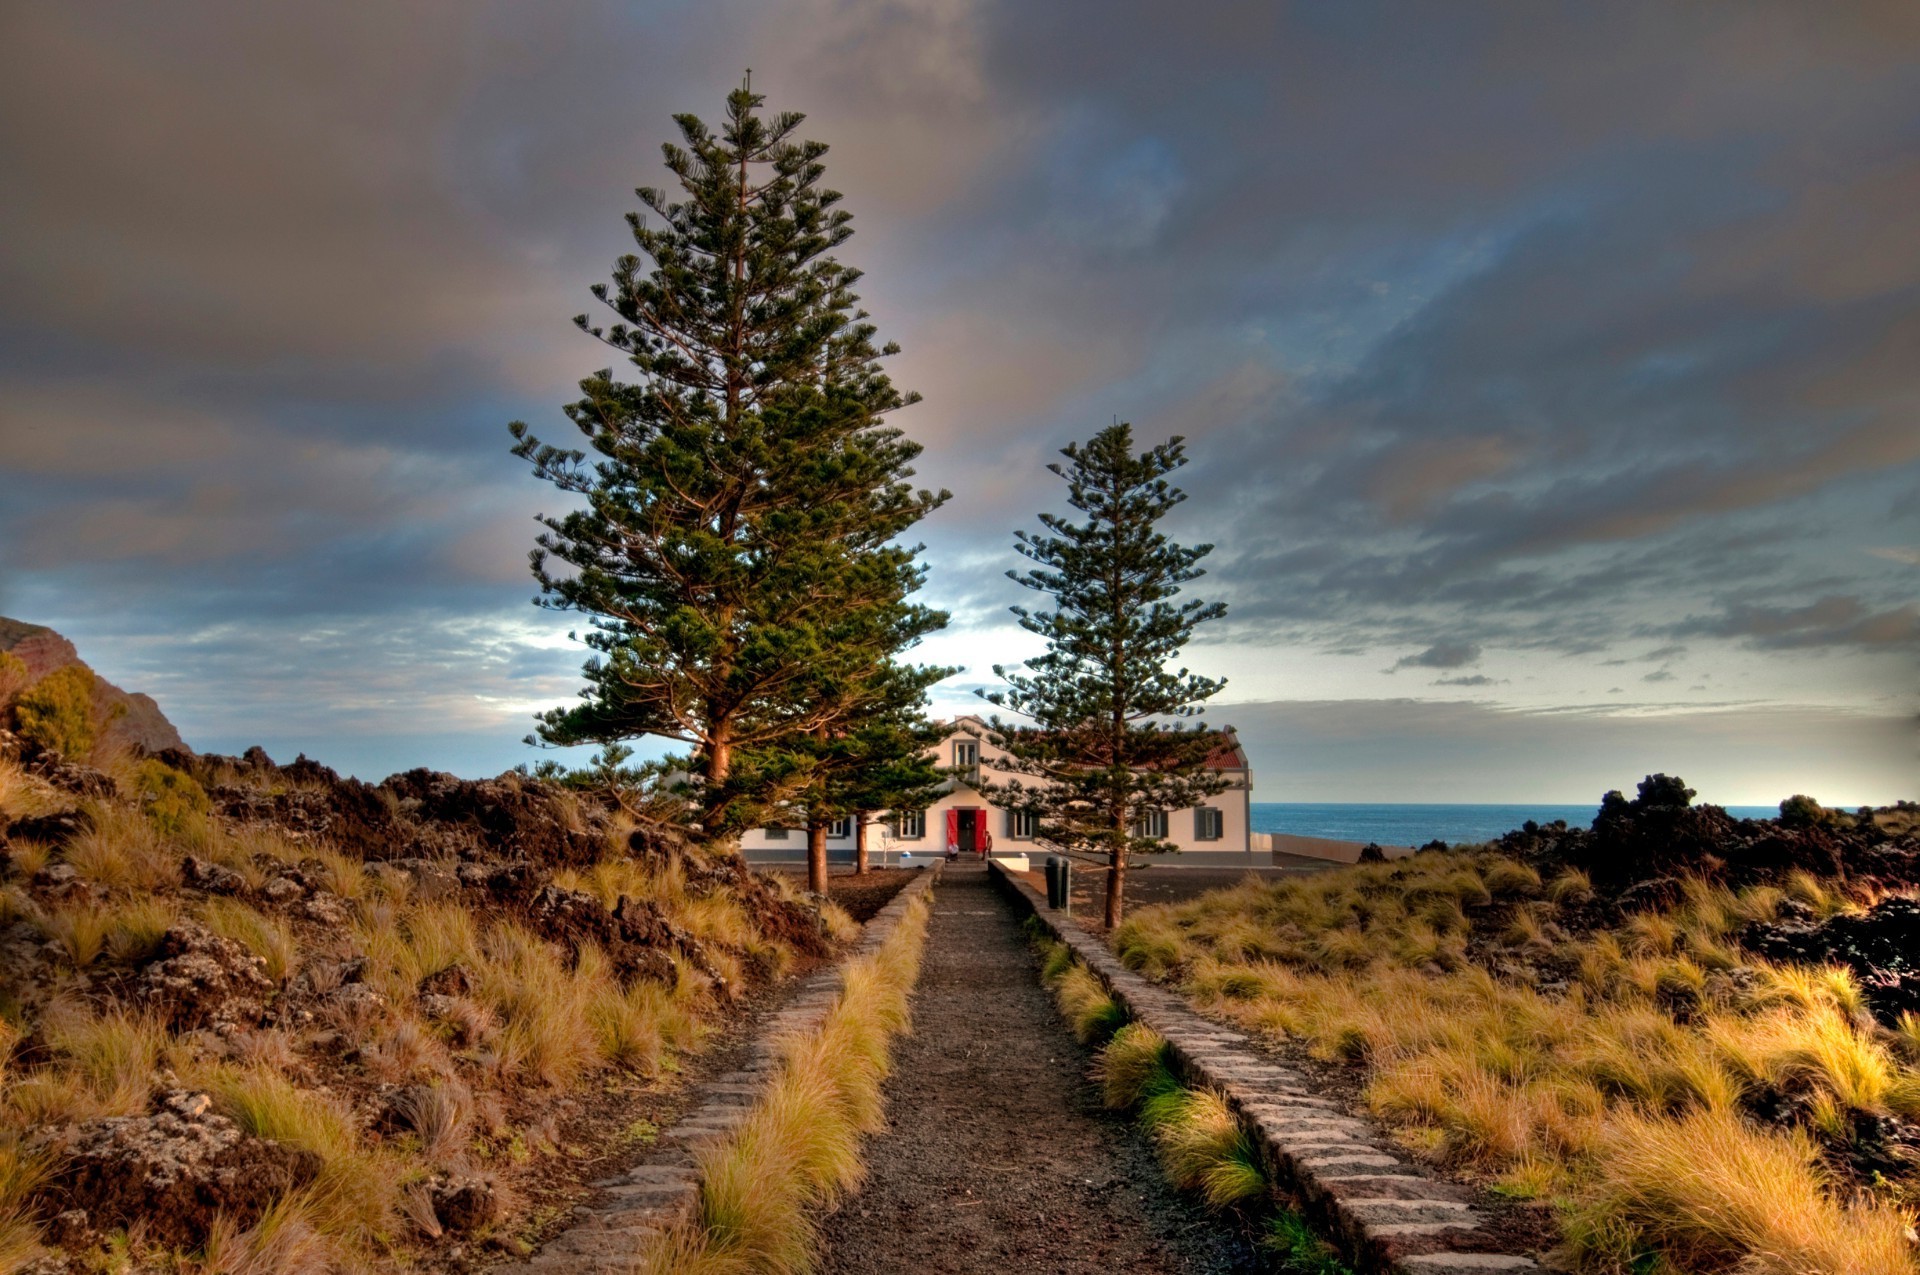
(421, 814)
(72, 777)
(454, 980)
(1637, 846)
(465, 1204)
(1372, 853)
(61, 881)
(198, 979)
(173, 1171)
(214, 878)
(56, 829)
(1882, 947)
(636, 936)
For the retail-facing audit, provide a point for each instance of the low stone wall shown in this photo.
(1384, 1213)
(650, 1198)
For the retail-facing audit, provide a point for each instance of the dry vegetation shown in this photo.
(1201, 1144)
(1682, 1104)
(407, 1056)
(766, 1185)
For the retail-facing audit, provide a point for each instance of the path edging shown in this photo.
(652, 1198)
(1385, 1213)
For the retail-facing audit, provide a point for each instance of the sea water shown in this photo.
(1415, 825)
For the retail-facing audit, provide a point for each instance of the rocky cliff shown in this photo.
(129, 719)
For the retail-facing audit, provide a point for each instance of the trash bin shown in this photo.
(1059, 880)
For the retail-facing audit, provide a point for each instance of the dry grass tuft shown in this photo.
(121, 849)
(798, 1150)
(267, 937)
(1708, 1191)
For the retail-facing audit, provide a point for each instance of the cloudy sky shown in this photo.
(1551, 372)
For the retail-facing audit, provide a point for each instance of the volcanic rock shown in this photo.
(1881, 946)
(174, 1170)
(214, 878)
(198, 979)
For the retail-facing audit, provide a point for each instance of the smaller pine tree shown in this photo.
(1104, 736)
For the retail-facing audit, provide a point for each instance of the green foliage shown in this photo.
(56, 713)
(1298, 1250)
(1099, 698)
(736, 545)
(175, 801)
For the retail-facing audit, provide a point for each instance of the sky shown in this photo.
(1550, 373)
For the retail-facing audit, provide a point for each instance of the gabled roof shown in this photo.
(1227, 753)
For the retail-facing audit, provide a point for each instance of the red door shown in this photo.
(953, 830)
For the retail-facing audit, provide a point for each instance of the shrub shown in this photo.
(13, 676)
(175, 801)
(56, 713)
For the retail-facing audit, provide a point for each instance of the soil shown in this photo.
(998, 1153)
(862, 894)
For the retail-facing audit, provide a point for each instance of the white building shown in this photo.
(965, 819)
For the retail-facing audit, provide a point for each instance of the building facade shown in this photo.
(967, 820)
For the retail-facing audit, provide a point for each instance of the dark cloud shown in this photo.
(1472, 679)
(1442, 655)
(1834, 620)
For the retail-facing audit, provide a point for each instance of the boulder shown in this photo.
(214, 878)
(172, 1171)
(199, 979)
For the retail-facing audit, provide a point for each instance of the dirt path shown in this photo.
(999, 1156)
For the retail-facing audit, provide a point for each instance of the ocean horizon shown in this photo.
(1413, 824)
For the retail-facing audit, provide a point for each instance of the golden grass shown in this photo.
(1534, 1088)
(123, 850)
(798, 1150)
(267, 937)
(356, 1195)
(1709, 1191)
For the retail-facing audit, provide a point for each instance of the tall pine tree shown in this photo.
(736, 543)
(1099, 700)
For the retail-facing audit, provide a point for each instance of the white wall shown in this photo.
(1233, 805)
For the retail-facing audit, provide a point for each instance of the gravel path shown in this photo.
(998, 1156)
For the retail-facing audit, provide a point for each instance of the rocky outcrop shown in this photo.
(199, 979)
(1881, 946)
(1638, 851)
(172, 1171)
(128, 719)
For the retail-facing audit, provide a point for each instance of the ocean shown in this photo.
(1414, 825)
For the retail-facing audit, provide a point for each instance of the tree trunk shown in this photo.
(1116, 882)
(817, 855)
(719, 766)
(860, 842)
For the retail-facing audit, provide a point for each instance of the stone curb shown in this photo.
(650, 1198)
(1384, 1213)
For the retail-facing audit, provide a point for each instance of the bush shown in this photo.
(13, 676)
(1802, 811)
(175, 801)
(56, 713)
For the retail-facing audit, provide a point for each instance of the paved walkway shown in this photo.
(999, 1156)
